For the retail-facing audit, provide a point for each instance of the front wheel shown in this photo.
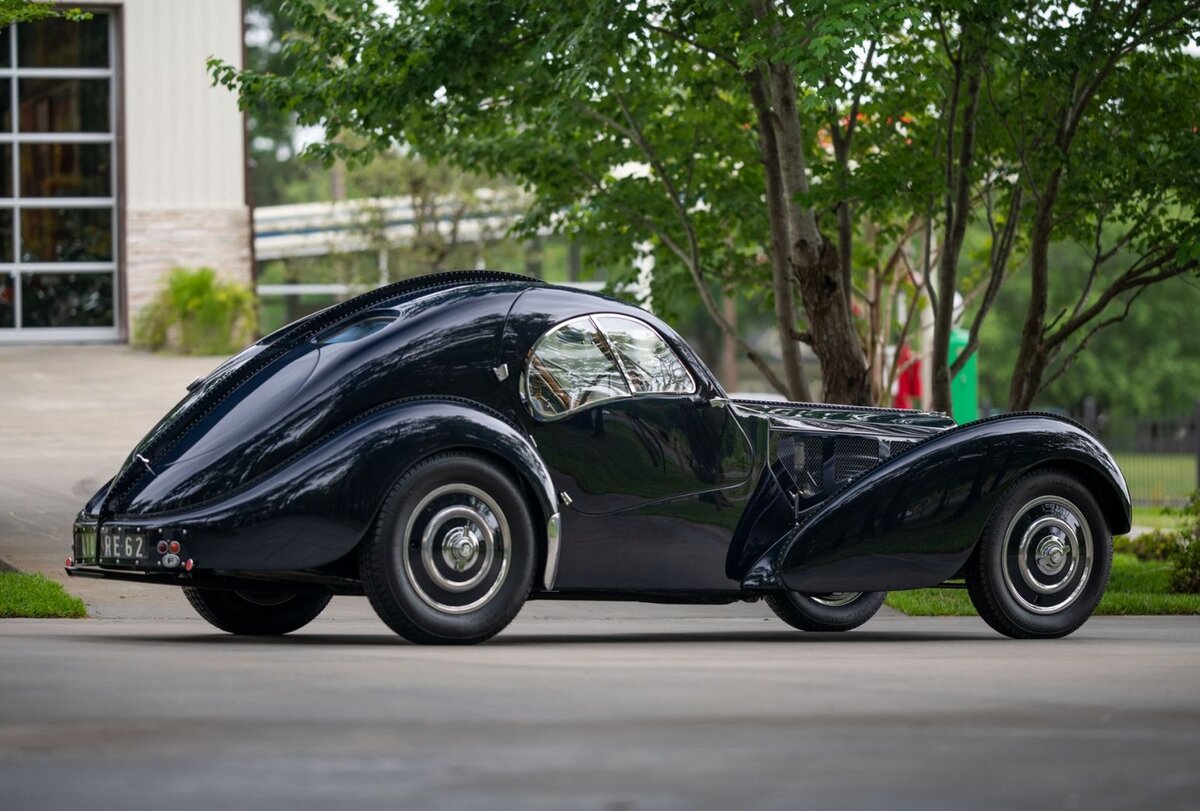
(837, 611)
(253, 613)
(1043, 560)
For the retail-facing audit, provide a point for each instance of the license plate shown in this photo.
(85, 543)
(116, 545)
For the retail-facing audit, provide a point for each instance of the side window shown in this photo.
(571, 367)
(648, 363)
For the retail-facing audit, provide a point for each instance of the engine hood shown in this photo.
(848, 420)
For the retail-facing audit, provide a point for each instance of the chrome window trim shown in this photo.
(528, 366)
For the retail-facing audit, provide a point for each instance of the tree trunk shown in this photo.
(814, 261)
(958, 202)
(777, 217)
(1031, 357)
(728, 365)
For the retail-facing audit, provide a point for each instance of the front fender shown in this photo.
(315, 507)
(914, 520)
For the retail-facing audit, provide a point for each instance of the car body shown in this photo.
(640, 477)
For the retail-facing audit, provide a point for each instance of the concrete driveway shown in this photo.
(576, 706)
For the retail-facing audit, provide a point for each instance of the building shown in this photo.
(118, 161)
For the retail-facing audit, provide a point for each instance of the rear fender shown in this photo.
(315, 507)
(914, 520)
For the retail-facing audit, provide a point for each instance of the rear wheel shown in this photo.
(835, 611)
(1043, 560)
(452, 557)
(255, 613)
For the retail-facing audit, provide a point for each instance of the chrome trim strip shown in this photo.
(553, 540)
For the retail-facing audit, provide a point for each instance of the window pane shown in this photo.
(64, 105)
(5, 47)
(6, 188)
(7, 301)
(649, 363)
(67, 300)
(64, 44)
(65, 170)
(66, 235)
(6, 236)
(569, 370)
(6, 117)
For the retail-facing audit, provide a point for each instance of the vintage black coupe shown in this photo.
(455, 444)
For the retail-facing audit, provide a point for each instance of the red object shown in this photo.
(173, 547)
(187, 566)
(908, 382)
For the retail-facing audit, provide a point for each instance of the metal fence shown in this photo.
(1160, 456)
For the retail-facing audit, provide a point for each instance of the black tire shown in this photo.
(253, 614)
(1042, 563)
(452, 557)
(839, 611)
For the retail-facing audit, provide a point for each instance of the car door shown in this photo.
(653, 468)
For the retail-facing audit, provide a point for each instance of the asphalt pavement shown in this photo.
(601, 713)
(604, 706)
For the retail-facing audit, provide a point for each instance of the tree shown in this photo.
(646, 122)
(799, 150)
(1051, 110)
(27, 11)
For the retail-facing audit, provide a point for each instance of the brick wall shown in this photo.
(156, 241)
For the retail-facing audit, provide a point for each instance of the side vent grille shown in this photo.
(801, 458)
(853, 456)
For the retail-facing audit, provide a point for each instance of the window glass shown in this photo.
(64, 170)
(67, 300)
(6, 186)
(66, 235)
(64, 105)
(570, 368)
(57, 43)
(6, 118)
(8, 299)
(648, 362)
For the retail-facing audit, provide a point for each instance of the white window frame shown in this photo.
(10, 265)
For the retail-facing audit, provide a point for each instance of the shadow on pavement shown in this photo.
(550, 639)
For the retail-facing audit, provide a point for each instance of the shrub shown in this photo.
(1122, 545)
(198, 313)
(1185, 574)
(1157, 544)
(1185, 559)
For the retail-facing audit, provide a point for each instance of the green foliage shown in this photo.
(26, 11)
(1185, 573)
(197, 313)
(1135, 587)
(633, 127)
(32, 595)
(1153, 545)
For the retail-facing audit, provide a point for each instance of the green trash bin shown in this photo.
(964, 388)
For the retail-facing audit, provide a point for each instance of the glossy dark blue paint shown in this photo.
(277, 463)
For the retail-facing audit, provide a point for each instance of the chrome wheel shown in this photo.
(455, 549)
(1047, 556)
(835, 599)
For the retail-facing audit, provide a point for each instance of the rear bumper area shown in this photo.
(281, 583)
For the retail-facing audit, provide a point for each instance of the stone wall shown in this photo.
(156, 241)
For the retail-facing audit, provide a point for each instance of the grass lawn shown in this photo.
(1158, 478)
(32, 595)
(1135, 587)
(1154, 518)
